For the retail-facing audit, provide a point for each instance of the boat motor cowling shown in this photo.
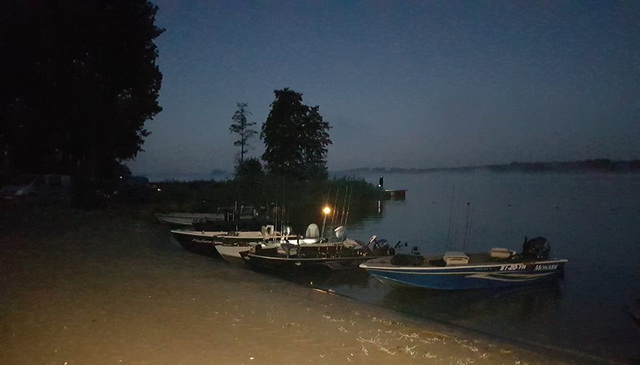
(537, 248)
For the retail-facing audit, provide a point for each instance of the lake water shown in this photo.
(593, 220)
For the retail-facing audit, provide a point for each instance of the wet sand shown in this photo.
(112, 287)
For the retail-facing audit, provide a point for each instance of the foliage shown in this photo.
(298, 203)
(242, 127)
(296, 138)
(250, 169)
(79, 80)
(249, 180)
(199, 196)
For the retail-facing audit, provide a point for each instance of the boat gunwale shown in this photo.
(388, 267)
(199, 233)
(295, 258)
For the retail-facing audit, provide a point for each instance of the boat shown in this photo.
(187, 219)
(204, 242)
(220, 225)
(201, 242)
(230, 250)
(306, 254)
(232, 218)
(497, 268)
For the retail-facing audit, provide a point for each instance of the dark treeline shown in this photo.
(297, 203)
(601, 165)
(604, 165)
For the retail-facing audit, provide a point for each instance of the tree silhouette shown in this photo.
(295, 138)
(79, 80)
(242, 127)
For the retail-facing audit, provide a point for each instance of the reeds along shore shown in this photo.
(109, 286)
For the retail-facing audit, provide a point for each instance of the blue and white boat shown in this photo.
(497, 268)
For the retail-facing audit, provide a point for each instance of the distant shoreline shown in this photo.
(598, 165)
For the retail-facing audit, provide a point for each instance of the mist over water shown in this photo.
(590, 219)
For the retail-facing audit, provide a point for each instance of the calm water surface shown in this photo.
(591, 219)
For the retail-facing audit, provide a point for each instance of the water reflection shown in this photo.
(324, 278)
(519, 304)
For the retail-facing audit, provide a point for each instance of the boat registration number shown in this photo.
(513, 267)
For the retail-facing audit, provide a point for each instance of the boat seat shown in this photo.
(267, 231)
(452, 258)
(288, 247)
(312, 231)
(500, 253)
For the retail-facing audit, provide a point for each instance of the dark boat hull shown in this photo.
(332, 257)
(200, 245)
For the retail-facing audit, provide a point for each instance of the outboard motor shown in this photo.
(536, 249)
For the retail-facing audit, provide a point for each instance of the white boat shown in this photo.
(231, 253)
(231, 250)
(187, 219)
(204, 242)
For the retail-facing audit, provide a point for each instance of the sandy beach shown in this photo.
(112, 287)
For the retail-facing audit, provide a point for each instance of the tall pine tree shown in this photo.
(242, 127)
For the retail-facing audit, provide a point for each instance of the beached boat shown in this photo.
(201, 242)
(458, 270)
(218, 225)
(187, 219)
(204, 242)
(301, 254)
(230, 250)
(231, 218)
(231, 253)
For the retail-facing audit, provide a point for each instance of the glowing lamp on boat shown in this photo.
(326, 210)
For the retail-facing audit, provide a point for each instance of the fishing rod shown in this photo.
(344, 204)
(335, 205)
(450, 228)
(466, 228)
(348, 207)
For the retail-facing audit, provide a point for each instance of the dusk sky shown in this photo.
(402, 83)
